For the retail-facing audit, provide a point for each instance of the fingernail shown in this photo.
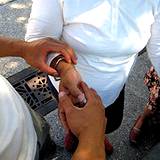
(81, 98)
(75, 61)
(56, 74)
(84, 100)
(61, 94)
(76, 57)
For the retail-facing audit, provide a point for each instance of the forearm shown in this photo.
(90, 147)
(11, 47)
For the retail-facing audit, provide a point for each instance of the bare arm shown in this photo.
(11, 47)
(90, 147)
(35, 53)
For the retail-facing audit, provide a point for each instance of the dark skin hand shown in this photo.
(35, 52)
(89, 129)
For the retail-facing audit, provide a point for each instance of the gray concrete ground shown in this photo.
(13, 19)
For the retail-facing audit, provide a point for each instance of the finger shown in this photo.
(86, 90)
(105, 123)
(47, 69)
(62, 88)
(95, 93)
(63, 120)
(73, 99)
(66, 55)
(70, 51)
(76, 92)
(65, 50)
(59, 48)
(72, 54)
(82, 98)
(54, 45)
(93, 90)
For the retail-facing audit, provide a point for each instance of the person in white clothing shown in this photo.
(106, 37)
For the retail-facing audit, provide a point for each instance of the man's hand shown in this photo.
(35, 53)
(89, 119)
(87, 123)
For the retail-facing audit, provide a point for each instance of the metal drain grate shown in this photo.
(32, 85)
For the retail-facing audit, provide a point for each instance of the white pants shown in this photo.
(18, 138)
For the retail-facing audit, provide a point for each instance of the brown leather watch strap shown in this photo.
(54, 64)
(56, 60)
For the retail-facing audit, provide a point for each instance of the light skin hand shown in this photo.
(70, 82)
(87, 123)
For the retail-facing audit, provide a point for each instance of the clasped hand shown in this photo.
(90, 118)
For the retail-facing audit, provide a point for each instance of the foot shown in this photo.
(136, 130)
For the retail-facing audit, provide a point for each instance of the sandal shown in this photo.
(136, 130)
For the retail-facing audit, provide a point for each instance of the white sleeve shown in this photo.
(46, 20)
(153, 47)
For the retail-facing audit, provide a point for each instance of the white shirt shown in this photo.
(18, 139)
(105, 34)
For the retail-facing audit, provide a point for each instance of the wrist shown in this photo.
(17, 47)
(90, 147)
(60, 65)
(89, 152)
(88, 138)
(22, 48)
(63, 67)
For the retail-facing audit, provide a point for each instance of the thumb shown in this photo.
(64, 101)
(47, 69)
(77, 93)
(63, 119)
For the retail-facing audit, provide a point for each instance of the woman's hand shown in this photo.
(70, 81)
(35, 53)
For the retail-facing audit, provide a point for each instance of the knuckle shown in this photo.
(99, 98)
(63, 51)
(71, 51)
(48, 39)
(68, 111)
(68, 48)
(61, 102)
